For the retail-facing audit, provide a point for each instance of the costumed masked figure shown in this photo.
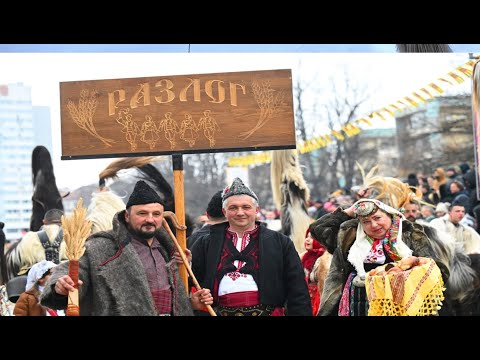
(46, 197)
(45, 244)
(45, 192)
(290, 195)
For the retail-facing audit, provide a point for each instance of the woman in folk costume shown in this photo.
(28, 304)
(364, 236)
(461, 271)
(311, 263)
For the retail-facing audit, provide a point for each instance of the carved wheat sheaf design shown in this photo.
(268, 101)
(82, 114)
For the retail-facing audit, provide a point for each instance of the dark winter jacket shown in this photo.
(281, 280)
(203, 231)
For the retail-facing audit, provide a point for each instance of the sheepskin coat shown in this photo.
(345, 228)
(28, 304)
(114, 280)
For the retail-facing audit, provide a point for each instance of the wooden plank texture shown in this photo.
(235, 111)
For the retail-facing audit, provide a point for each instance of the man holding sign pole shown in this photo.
(131, 270)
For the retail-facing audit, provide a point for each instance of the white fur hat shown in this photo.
(441, 207)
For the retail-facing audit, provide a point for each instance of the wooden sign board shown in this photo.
(234, 111)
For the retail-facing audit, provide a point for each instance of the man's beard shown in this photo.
(140, 234)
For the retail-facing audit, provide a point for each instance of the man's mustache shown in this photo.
(148, 224)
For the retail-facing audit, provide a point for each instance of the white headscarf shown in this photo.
(361, 246)
(37, 271)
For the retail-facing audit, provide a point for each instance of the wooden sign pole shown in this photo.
(178, 190)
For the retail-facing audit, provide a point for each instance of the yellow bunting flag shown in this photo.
(456, 77)
(351, 130)
(392, 113)
(411, 101)
(425, 90)
(436, 88)
(420, 97)
(338, 135)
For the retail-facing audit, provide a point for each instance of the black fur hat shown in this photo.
(214, 208)
(143, 194)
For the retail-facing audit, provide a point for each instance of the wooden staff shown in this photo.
(171, 215)
(177, 164)
(76, 229)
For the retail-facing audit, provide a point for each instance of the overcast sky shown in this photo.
(390, 75)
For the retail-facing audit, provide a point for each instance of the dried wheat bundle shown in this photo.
(76, 229)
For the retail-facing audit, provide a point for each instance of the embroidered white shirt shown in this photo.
(234, 281)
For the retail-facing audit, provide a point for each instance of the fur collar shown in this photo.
(356, 251)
